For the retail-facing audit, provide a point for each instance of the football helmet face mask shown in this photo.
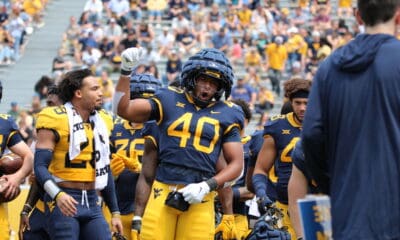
(143, 85)
(210, 63)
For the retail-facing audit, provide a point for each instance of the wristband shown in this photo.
(61, 193)
(51, 188)
(126, 72)
(137, 218)
(24, 213)
(116, 215)
(212, 183)
(27, 207)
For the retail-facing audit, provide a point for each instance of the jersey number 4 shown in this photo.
(287, 151)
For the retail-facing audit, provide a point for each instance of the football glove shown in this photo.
(135, 229)
(130, 58)
(227, 227)
(132, 163)
(195, 192)
(117, 164)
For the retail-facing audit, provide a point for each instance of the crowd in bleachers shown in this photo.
(268, 42)
(18, 19)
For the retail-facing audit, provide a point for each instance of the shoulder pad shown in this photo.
(175, 89)
(51, 117)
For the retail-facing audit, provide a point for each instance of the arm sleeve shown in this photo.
(260, 185)
(41, 163)
(108, 194)
(314, 139)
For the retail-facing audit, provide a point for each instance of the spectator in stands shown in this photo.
(150, 55)
(345, 9)
(175, 8)
(276, 59)
(253, 58)
(130, 40)
(3, 13)
(322, 18)
(98, 32)
(71, 37)
(136, 9)
(107, 48)
(108, 90)
(14, 110)
(186, 41)
(199, 29)
(232, 24)
(118, 9)
(84, 21)
(261, 43)
(236, 51)
(294, 45)
(164, 42)
(113, 31)
(252, 77)
(156, 9)
(178, 23)
(16, 27)
(174, 67)
(152, 69)
(247, 40)
(60, 65)
(129, 26)
(298, 17)
(34, 8)
(221, 40)
(242, 90)
(264, 103)
(213, 18)
(145, 34)
(244, 15)
(314, 44)
(91, 56)
(95, 10)
(6, 46)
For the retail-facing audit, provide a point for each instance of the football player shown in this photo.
(280, 136)
(300, 184)
(129, 145)
(194, 127)
(32, 220)
(240, 193)
(11, 139)
(72, 161)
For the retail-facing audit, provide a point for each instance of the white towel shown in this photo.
(101, 141)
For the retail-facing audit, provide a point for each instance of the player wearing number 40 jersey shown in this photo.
(195, 126)
(280, 136)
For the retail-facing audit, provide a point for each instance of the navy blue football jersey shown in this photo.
(298, 160)
(256, 143)
(9, 135)
(191, 138)
(286, 132)
(126, 140)
(238, 206)
(150, 131)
